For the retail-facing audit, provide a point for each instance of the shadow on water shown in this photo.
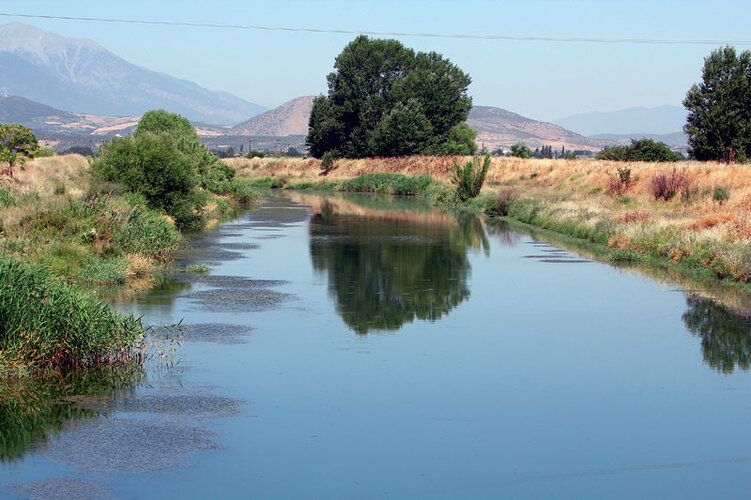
(387, 267)
(33, 408)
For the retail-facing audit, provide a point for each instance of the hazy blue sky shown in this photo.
(542, 80)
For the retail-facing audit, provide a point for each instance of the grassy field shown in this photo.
(695, 216)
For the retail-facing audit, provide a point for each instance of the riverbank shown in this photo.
(67, 235)
(695, 217)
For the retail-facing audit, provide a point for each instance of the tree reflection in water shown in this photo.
(386, 271)
(725, 335)
(33, 407)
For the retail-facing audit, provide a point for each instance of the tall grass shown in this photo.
(46, 322)
(390, 183)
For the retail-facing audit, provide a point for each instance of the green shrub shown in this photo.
(469, 179)
(500, 205)
(198, 268)
(44, 153)
(721, 194)
(329, 159)
(521, 150)
(145, 232)
(240, 191)
(6, 199)
(46, 322)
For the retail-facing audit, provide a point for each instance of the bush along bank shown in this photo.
(65, 224)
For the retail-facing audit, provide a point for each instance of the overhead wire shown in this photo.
(643, 41)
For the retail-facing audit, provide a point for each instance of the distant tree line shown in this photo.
(640, 150)
(385, 99)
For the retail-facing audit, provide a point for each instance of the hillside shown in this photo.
(82, 76)
(291, 118)
(498, 127)
(43, 118)
(495, 127)
(632, 121)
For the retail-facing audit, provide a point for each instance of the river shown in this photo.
(369, 347)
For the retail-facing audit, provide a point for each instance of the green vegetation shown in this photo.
(388, 183)
(469, 179)
(721, 193)
(386, 100)
(17, 143)
(165, 163)
(639, 150)
(521, 150)
(719, 108)
(79, 150)
(500, 204)
(328, 160)
(46, 322)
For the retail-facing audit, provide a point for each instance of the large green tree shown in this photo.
(16, 144)
(719, 108)
(386, 100)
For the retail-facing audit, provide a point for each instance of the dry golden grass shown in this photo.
(52, 181)
(576, 191)
(577, 184)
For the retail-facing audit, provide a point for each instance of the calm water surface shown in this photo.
(348, 347)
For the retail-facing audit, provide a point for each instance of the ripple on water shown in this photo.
(61, 488)
(217, 333)
(129, 444)
(237, 294)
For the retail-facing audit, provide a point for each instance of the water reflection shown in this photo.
(386, 268)
(32, 408)
(725, 335)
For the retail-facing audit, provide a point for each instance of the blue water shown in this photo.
(423, 357)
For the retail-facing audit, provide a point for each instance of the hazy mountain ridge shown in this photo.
(499, 127)
(82, 76)
(495, 127)
(660, 120)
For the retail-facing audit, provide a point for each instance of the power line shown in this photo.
(643, 41)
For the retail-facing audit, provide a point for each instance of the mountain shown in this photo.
(495, 127)
(660, 120)
(675, 139)
(43, 118)
(291, 118)
(498, 127)
(82, 76)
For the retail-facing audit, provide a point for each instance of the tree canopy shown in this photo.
(384, 99)
(719, 108)
(166, 163)
(16, 144)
